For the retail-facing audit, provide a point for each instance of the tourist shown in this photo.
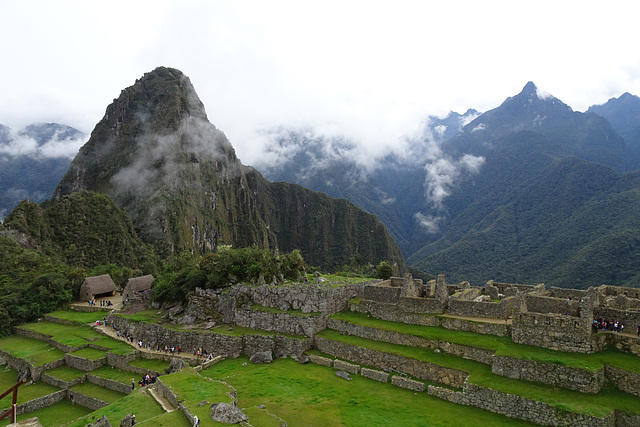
(133, 384)
(196, 421)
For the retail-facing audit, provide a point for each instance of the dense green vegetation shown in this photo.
(226, 267)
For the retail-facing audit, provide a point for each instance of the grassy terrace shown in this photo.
(89, 353)
(79, 316)
(35, 351)
(312, 396)
(115, 374)
(77, 335)
(25, 393)
(139, 402)
(56, 415)
(501, 346)
(93, 390)
(151, 364)
(66, 373)
(71, 335)
(192, 388)
(599, 405)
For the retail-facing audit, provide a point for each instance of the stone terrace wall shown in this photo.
(87, 401)
(21, 365)
(556, 332)
(518, 407)
(110, 384)
(393, 337)
(84, 364)
(552, 374)
(544, 304)
(629, 382)
(39, 403)
(284, 323)
(621, 342)
(219, 344)
(501, 310)
(498, 329)
(57, 382)
(422, 370)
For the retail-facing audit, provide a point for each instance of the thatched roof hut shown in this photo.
(136, 285)
(97, 287)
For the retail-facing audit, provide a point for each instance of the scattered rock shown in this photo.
(303, 359)
(344, 375)
(225, 413)
(437, 350)
(244, 364)
(262, 357)
(261, 406)
(204, 402)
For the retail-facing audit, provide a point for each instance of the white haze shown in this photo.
(57, 146)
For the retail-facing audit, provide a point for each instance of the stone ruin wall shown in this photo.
(545, 304)
(526, 409)
(218, 344)
(500, 310)
(373, 358)
(553, 331)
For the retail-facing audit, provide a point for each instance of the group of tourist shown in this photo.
(604, 325)
(103, 302)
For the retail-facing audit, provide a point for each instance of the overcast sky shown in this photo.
(371, 70)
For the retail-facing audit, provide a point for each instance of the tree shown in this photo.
(384, 270)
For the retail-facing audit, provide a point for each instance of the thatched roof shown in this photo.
(97, 285)
(139, 284)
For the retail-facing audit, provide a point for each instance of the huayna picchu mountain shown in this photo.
(156, 155)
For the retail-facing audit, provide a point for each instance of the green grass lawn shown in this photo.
(72, 335)
(55, 415)
(89, 353)
(35, 351)
(139, 402)
(155, 365)
(66, 373)
(25, 392)
(192, 389)
(599, 405)
(79, 316)
(102, 393)
(115, 374)
(311, 395)
(115, 345)
(501, 346)
(168, 419)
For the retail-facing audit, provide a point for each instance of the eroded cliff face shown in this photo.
(177, 176)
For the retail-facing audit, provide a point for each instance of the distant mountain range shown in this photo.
(33, 160)
(530, 191)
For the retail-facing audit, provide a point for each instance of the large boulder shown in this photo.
(228, 414)
(177, 364)
(262, 357)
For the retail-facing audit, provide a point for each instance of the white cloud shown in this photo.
(367, 70)
(56, 146)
